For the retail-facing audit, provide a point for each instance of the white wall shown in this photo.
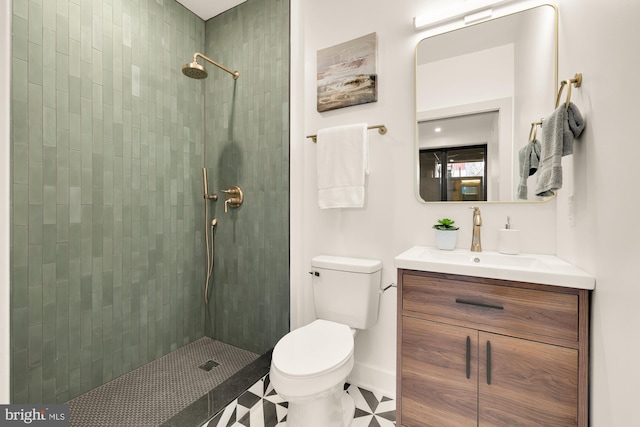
(5, 73)
(392, 220)
(600, 39)
(465, 79)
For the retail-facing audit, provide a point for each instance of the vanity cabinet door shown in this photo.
(526, 383)
(528, 357)
(439, 374)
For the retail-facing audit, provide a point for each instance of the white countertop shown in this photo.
(533, 268)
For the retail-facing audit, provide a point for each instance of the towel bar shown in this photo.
(382, 129)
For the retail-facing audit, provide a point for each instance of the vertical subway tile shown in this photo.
(35, 63)
(35, 184)
(62, 75)
(20, 376)
(74, 23)
(97, 30)
(48, 129)
(35, 383)
(48, 243)
(75, 244)
(20, 37)
(62, 8)
(19, 80)
(19, 291)
(49, 13)
(49, 91)
(20, 173)
(35, 307)
(49, 207)
(35, 23)
(75, 88)
(49, 290)
(62, 34)
(49, 52)
(62, 266)
(20, 345)
(126, 30)
(20, 8)
(49, 332)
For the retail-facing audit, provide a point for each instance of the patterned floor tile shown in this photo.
(261, 406)
(372, 409)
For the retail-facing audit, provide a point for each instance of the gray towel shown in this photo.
(529, 157)
(558, 132)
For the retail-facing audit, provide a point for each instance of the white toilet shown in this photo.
(310, 364)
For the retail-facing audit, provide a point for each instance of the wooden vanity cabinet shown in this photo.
(486, 352)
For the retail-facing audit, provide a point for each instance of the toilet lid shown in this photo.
(313, 349)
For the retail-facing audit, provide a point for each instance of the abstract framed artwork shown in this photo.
(347, 73)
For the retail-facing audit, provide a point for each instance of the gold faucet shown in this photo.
(476, 245)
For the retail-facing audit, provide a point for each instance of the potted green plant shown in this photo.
(446, 234)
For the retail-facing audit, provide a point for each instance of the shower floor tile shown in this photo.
(260, 406)
(155, 392)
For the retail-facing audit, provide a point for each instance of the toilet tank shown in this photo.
(346, 290)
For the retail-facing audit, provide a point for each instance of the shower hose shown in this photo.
(208, 228)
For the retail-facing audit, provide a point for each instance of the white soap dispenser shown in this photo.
(509, 240)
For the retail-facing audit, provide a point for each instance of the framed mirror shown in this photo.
(483, 85)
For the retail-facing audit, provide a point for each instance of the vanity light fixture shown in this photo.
(478, 16)
(480, 10)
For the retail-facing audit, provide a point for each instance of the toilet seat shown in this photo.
(314, 349)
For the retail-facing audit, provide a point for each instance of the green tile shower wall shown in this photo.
(107, 146)
(247, 144)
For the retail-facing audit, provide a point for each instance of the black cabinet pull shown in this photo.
(468, 357)
(489, 362)
(479, 304)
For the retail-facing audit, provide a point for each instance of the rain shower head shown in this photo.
(194, 70)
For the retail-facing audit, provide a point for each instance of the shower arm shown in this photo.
(235, 74)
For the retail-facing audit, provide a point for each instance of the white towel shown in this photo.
(342, 161)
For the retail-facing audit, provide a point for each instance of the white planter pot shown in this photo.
(446, 239)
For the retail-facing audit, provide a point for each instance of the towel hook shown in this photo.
(577, 81)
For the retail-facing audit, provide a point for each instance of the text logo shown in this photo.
(34, 415)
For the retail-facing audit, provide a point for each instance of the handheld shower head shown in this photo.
(205, 184)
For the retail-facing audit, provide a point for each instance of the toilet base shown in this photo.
(334, 409)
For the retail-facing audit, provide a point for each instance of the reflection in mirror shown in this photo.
(455, 174)
(464, 145)
(483, 85)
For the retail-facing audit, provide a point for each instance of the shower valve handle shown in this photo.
(233, 190)
(235, 197)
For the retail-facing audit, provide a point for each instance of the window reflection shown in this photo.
(465, 176)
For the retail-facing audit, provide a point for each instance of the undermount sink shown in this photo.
(533, 268)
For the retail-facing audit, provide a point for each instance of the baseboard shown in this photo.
(373, 379)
